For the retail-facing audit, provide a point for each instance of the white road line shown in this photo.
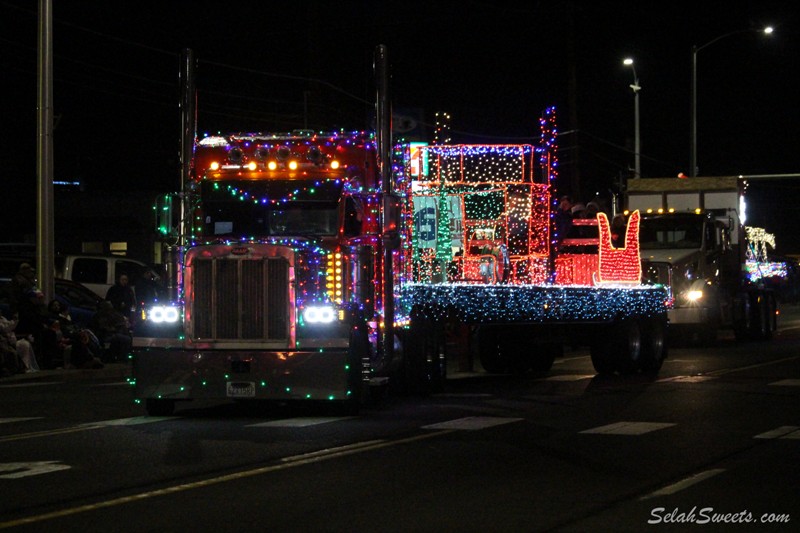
(783, 432)
(786, 383)
(628, 428)
(472, 423)
(30, 384)
(683, 484)
(299, 422)
(19, 419)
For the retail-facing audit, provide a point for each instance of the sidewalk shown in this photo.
(119, 371)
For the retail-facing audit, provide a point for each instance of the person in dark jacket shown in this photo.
(30, 329)
(81, 354)
(121, 296)
(22, 282)
(113, 331)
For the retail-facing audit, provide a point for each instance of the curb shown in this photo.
(109, 371)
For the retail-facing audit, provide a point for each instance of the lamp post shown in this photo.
(637, 166)
(695, 49)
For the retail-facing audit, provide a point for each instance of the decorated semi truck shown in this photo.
(311, 266)
(694, 241)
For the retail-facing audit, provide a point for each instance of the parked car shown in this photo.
(99, 272)
(82, 302)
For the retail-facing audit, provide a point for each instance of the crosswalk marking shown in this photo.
(35, 468)
(569, 377)
(629, 428)
(685, 379)
(132, 421)
(783, 432)
(472, 423)
(299, 422)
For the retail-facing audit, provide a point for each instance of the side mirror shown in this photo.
(164, 209)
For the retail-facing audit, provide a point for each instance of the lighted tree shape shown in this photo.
(444, 250)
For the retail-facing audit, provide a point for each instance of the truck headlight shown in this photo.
(693, 296)
(163, 314)
(319, 314)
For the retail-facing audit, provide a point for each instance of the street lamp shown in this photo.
(637, 167)
(693, 162)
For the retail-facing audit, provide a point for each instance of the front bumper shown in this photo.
(186, 374)
(690, 316)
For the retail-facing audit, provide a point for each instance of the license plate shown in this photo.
(241, 389)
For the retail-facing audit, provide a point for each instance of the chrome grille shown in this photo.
(240, 298)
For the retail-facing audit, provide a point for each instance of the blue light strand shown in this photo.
(478, 304)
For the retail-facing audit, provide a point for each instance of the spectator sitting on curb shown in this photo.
(9, 360)
(81, 354)
(30, 328)
(112, 329)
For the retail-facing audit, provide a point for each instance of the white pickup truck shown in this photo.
(99, 272)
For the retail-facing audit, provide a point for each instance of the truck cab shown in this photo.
(692, 240)
(691, 253)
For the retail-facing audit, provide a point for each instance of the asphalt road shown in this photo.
(712, 444)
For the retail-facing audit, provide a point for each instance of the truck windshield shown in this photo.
(659, 233)
(248, 220)
(263, 208)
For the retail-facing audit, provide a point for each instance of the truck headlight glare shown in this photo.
(163, 314)
(319, 314)
(693, 296)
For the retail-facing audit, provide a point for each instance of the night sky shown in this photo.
(493, 66)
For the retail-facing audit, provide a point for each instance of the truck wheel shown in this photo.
(603, 358)
(742, 321)
(490, 351)
(159, 407)
(654, 346)
(627, 338)
(425, 360)
(545, 356)
(515, 349)
(767, 315)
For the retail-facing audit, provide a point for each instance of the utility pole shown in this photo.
(45, 255)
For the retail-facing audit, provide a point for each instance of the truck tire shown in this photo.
(603, 358)
(654, 346)
(425, 357)
(545, 356)
(627, 338)
(159, 407)
(767, 320)
(618, 348)
(490, 351)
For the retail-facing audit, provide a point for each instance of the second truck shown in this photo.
(693, 240)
